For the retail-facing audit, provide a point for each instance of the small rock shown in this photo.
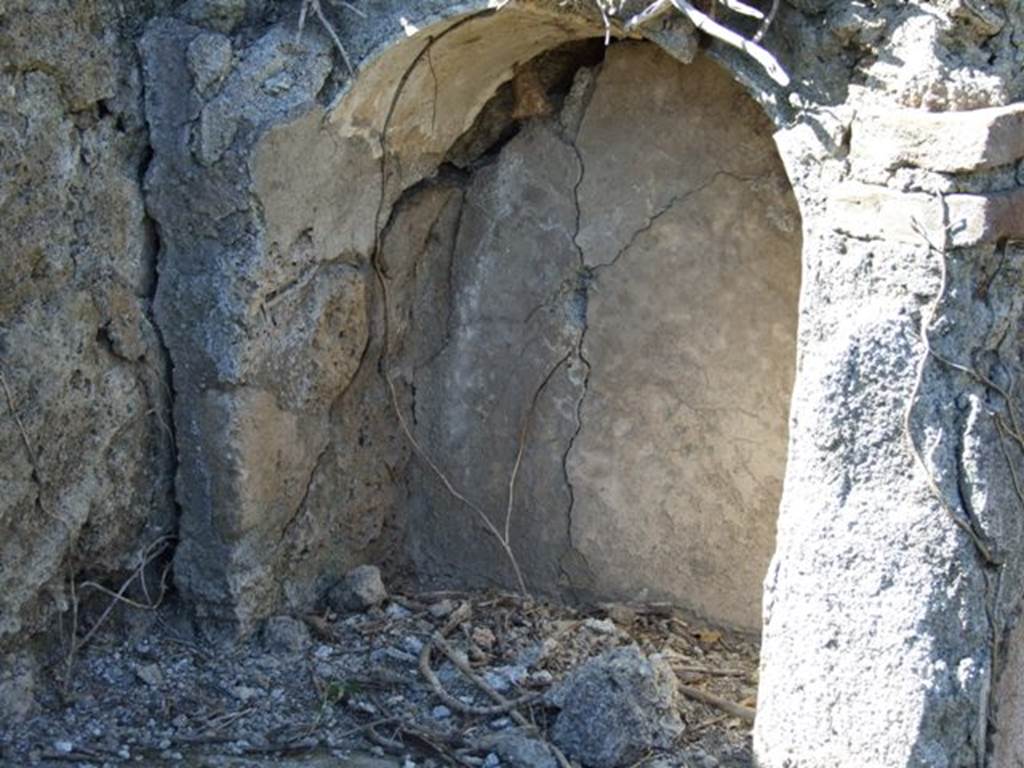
(279, 83)
(396, 611)
(441, 609)
(150, 674)
(358, 705)
(616, 708)
(284, 634)
(412, 644)
(518, 750)
(492, 761)
(601, 626)
(502, 679)
(362, 588)
(541, 678)
(484, 637)
(64, 747)
(621, 614)
(440, 712)
(245, 693)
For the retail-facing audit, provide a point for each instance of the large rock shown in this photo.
(616, 708)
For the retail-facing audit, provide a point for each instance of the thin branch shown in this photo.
(927, 317)
(654, 11)
(152, 551)
(314, 5)
(706, 24)
(19, 423)
(767, 22)
(523, 435)
(737, 6)
(736, 710)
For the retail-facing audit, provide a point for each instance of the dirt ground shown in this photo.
(377, 688)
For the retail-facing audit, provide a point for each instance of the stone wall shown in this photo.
(86, 433)
(286, 197)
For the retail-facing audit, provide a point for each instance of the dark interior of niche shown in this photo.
(537, 89)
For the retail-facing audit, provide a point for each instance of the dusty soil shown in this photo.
(350, 690)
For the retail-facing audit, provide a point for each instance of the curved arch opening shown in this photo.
(592, 262)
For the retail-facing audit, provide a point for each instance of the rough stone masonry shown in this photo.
(694, 319)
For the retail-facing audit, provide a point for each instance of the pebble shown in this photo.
(412, 644)
(502, 679)
(245, 693)
(150, 674)
(64, 747)
(441, 609)
(440, 712)
(362, 706)
(491, 761)
(484, 637)
(285, 634)
(601, 626)
(323, 652)
(543, 677)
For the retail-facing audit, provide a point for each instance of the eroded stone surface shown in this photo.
(85, 429)
(1009, 716)
(944, 141)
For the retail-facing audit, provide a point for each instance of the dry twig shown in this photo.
(927, 317)
(736, 710)
(154, 550)
(314, 6)
(705, 23)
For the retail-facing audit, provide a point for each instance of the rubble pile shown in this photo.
(429, 679)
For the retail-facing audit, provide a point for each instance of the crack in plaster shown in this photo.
(675, 200)
(580, 302)
(301, 506)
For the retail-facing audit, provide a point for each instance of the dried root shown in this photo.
(318, 11)
(708, 25)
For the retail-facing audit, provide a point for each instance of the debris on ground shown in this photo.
(430, 679)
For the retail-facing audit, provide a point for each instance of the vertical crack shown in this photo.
(162, 368)
(578, 313)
